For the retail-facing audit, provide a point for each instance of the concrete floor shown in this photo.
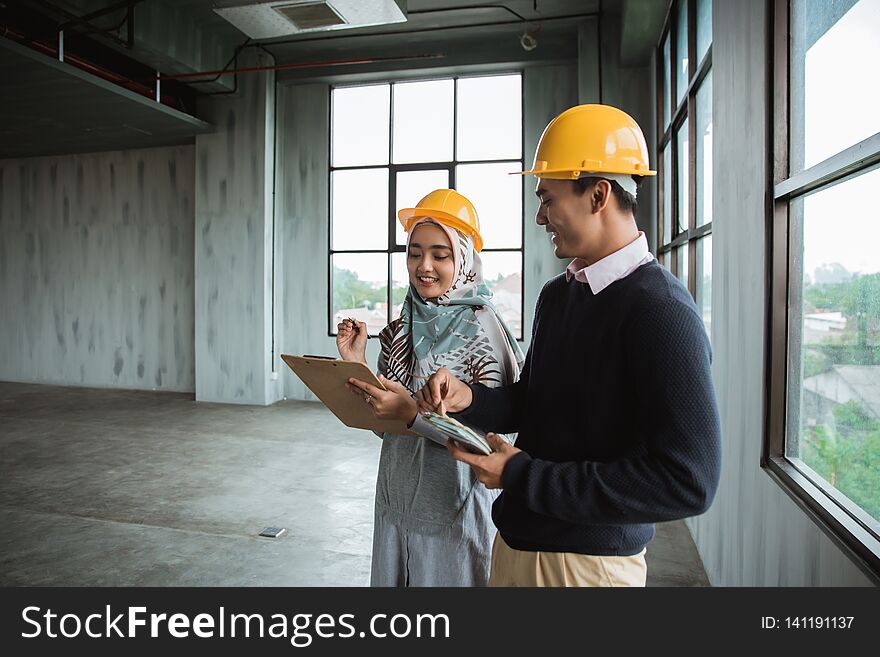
(130, 488)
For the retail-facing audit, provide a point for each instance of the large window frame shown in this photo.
(394, 169)
(684, 231)
(842, 520)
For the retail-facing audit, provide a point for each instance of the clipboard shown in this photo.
(326, 378)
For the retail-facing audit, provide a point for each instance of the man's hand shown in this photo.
(444, 387)
(488, 468)
(393, 403)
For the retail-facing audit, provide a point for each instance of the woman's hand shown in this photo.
(351, 340)
(393, 403)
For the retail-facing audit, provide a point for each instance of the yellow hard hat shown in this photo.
(448, 207)
(591, 138)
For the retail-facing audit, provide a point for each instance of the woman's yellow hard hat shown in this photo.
(448, 207)
(591, 138)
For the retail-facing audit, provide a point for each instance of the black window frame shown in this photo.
(394, 169)
(840, 519)
(685, 110)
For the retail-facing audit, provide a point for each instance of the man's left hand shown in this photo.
(488, 468)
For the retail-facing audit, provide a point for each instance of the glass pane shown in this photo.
(399, 283)
(681, 139)
(704, 151)
(360, 289)
(664, 259)
(360, 125)
(681, 52)
(682, 267)
(838, 435)
(835, 52)
(667, 194)
(413, 186)
(667, 82)
(497, 197)
(502, 272)
(704, 281)
(423, 121)
(489, 118)
(704, 28)
(359, 209)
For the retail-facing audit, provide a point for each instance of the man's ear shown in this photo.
(600, 196)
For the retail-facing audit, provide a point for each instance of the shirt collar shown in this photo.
(611, 268)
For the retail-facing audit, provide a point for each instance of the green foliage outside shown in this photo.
(846, 452)
(351, 292)
(847, 455)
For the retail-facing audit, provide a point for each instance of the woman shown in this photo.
(433, 523)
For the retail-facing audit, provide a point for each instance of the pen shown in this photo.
(356, 328)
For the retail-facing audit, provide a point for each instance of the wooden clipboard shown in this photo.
(326, 377)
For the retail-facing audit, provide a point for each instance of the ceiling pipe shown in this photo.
(284, 67)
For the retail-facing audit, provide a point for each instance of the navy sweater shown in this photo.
(616, 415)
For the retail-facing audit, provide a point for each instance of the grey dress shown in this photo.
(433, 524)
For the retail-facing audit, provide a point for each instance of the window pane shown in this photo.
(359, 209)
(489, 118)
(360, 289)
(681, 52)
(682, 269)
(681, 139)
(704, 151)
(704, 28)
(835, 53)
(497, 197)
(664, 259)
(413, 186)
(667, 194)
(503, 274)
(838, 434)
(667, 82)
(704, 281)
(399, 283)
(423, 121)
(360, 125)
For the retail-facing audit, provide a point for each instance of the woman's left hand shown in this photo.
(393, 403)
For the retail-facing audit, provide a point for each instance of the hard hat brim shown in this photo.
(574, 174)
(408, 216)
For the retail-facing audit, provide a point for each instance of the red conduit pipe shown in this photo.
(282, 67)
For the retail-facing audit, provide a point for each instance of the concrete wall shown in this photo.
(234, 246)
(753, 535)
(96, 269)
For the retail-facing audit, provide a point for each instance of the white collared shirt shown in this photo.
(619, 264)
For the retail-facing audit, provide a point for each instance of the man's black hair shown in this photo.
(625, 201)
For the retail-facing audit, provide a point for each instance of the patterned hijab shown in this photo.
(449, 331)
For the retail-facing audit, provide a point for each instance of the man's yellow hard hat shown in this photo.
(591, 138)
(448, 207)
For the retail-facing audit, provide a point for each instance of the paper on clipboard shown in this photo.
(326, 378)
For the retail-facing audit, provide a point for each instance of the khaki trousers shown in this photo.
(519, 568)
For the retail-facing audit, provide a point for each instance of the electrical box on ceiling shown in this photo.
(266, 20)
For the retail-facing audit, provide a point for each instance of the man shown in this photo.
(615, 408)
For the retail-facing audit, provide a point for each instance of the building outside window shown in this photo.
(393, 143)
(824, 412)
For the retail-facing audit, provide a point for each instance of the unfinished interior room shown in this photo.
(215, 215)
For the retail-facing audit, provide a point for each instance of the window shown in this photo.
(393, 143)
(823, 438)
(684, 116)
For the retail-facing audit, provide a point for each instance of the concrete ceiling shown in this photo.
(51, 108)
